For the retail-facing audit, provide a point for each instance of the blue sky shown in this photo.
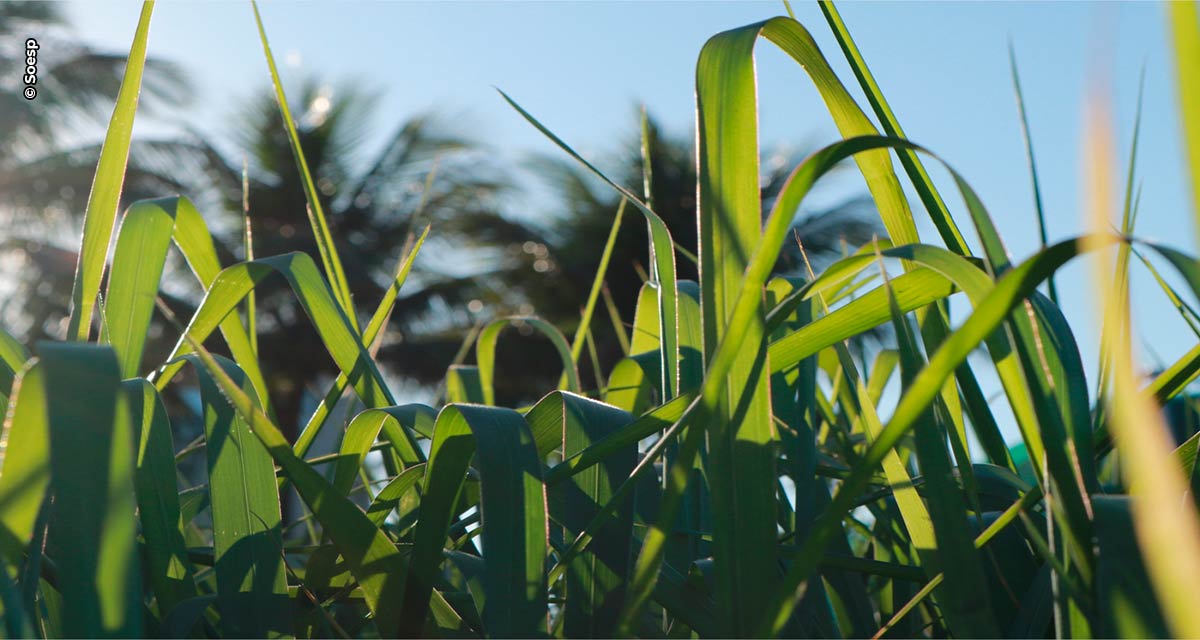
(582, 68)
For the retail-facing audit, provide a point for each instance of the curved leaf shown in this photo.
(341, 339)
(512, 516)
(485, 353)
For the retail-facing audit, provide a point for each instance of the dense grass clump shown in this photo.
(738, 474)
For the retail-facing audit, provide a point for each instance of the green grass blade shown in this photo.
(912, 290)
(341, 340)
(1166, 524)
(397, 423)
(248, 249)
(545, 419)
(12, 359)
(1061, 356)
(964, 600)
(247, 528)
(589, 308)
(982, 420)
(370, 555)
(142, 243)
(876, 165)
(92, 464)
(138, 261)
(464, 385)
(1033, 174)
(316, 214)
(641, 586)
(741, 434)
(169, 570)
(101, 213)
(25, 477)
(646, 329)
(393, 493)
(513, 517)
(917, 520)
(370, 336)
(629, 384)
(12, 353)
(1175, 378)
(614, 317)
(595, 581)
(891, 126)
(662, 256)
(645, 426)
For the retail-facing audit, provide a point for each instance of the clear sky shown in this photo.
(581, 68)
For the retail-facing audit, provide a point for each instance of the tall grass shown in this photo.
(740, 474)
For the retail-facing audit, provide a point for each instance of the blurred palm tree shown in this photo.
(48, 153)
(421, 176)
(479, 263)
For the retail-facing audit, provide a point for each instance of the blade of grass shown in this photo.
(169, 570)
(891, 126)
(595, 582)
(964, 600)
(589, 308)
(393, 493)
(1033, 175)
(247, 523)
(362, 431)
(316, 214)
(513, 517)
(1167, 527)
(25, 477)
(662, 257)
(104, 198)
(615, 317)
(12, 358)
(340, 338)
(142, 243)
(92, 463)
(371, 336)
(740, 468)
(248, 247)
(485, 352)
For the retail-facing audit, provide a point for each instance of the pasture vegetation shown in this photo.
(739, 473)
